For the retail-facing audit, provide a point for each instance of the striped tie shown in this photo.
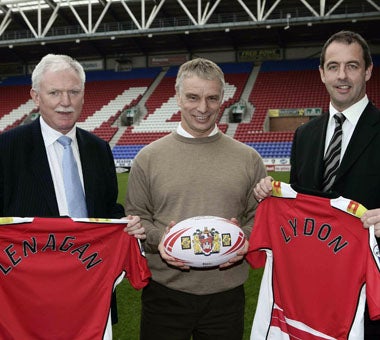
(332, 157)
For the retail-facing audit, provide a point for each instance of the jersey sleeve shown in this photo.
(373, 277)
(258, 239)
(137, 269)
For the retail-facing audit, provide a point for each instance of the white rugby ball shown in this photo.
(204, 241)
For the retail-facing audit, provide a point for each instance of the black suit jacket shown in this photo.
(358, 177)
(26, 185)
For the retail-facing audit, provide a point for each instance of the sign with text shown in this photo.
(260, 54)
(309, 111)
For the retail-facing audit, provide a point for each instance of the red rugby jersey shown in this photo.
(321, 266)
(57, 276)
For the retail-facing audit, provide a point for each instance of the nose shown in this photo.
(65, 98)
(202, 106)
(342, 72)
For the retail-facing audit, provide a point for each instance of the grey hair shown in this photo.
(54, 63)
(202, 68)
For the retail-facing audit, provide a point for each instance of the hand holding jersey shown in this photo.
(372, 217)
(263, 189)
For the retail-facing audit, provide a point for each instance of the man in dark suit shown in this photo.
(31, 175)
(345, 67)
(26, 181)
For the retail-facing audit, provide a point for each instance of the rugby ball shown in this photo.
(204, 241)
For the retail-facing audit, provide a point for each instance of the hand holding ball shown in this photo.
(204, 241)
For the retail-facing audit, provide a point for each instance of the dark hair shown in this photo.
(348, 37)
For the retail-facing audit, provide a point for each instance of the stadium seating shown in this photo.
(163, 115)
(283, 85)
(373, 85)
(279, 85)
(15, 106)
(107, 94)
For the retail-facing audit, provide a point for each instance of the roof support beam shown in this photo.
(143, 17)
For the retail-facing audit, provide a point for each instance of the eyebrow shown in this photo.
(346, 62)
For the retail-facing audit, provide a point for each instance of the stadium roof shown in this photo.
(114, 28)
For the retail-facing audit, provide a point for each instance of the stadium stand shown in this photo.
(373, 85)
(107, 94)
(279, 85)
(162, 110)
(283, 85)
(279, 149)
(15, 100)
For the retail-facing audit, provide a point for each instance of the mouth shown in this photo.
(64, 111)
(202, 118)
(343, 87)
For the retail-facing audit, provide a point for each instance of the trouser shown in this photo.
(173, 315)
(371, 328)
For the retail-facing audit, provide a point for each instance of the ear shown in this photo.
(221, 97)
(322, 74)
(368, 72)
(35, 96)
(178, 99)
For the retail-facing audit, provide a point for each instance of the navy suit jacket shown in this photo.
(26, 185)
(358, 177)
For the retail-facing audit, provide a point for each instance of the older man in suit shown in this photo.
(28, 186)
(31, 175)
(345, 67)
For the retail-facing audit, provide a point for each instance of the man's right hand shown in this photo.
(263, 189)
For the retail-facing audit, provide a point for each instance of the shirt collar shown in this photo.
(354, 112)
(50, 135)
(182, 132)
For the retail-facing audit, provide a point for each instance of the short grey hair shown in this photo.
(54, 63)
(202, 68)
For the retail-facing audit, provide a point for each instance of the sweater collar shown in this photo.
(182, 132)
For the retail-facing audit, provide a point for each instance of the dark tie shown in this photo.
(75, 199)
(332, 157)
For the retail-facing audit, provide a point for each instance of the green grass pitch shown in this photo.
(129, 299)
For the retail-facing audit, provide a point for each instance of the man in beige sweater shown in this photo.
(196, 170)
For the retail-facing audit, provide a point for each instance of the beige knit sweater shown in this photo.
(175, 178)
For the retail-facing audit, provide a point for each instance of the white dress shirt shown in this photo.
(352, 115)
(181, 131)
(54, 151)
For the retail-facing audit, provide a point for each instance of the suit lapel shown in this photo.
(317, 142)
(41, 169)
(365, 131)
(89, 175)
